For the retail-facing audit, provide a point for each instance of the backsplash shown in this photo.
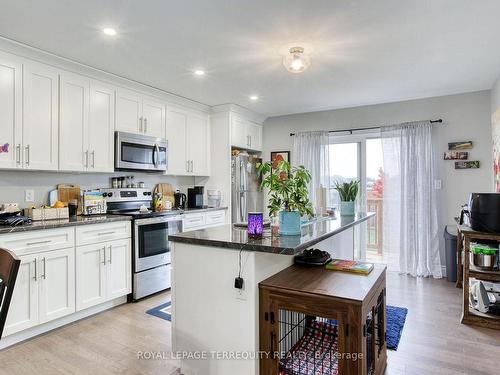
(14, 183)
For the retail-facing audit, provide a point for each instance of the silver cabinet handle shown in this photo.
(145, 124)
(87, 159)
(93, 158)
(27, 154)
(18, 154)
(187, 165)
(140, 124)
(36, 270)
(38, 242)
(110, 256)
(250, 141)
(192, 166)
(44, 268)
(104, 257)
(105, 233)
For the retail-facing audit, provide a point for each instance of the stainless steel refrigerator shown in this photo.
(246, 194)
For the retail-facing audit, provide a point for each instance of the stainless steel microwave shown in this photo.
(140, 152)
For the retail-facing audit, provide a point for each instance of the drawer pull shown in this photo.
(36, 271)
(38, 242)
(105, 233)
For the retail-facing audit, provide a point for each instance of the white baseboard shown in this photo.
(49, 326)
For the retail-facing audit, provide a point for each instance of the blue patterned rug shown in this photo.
(162, 311)
(396, 317)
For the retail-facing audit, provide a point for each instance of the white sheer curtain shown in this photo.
(310, 149)
(410, 206)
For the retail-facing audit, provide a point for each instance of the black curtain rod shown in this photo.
(371, 128)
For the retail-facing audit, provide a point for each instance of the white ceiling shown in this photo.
(364, 52)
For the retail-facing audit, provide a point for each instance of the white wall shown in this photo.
(495, 96)
(466, 117)
(14, 183)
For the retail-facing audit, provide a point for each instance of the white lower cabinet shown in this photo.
(44, 290)
(103, 272)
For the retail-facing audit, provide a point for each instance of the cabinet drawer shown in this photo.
(191, 221)
(215, 217)
(36, 241)
(95, 233)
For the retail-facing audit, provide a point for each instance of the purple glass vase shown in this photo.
(255, 224)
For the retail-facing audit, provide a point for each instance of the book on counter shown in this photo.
(352, 266)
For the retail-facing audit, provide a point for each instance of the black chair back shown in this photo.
(9, 266)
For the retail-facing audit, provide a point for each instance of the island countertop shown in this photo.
(231, 237)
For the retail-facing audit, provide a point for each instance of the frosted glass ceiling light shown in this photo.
(296, 61)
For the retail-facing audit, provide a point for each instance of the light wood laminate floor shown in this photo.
(433, 341)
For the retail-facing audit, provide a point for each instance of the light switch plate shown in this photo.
(29, 195)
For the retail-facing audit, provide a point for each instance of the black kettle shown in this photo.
(179, 200)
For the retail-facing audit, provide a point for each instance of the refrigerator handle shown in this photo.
(243, 177)
(243, 207)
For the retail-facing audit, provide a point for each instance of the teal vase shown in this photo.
(289, 223)
(347, 208)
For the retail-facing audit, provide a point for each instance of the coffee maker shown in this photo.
(195, 197)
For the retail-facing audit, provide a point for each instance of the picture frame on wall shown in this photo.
(456, 155)
(277, 156)
(457, 146)
(473, 164)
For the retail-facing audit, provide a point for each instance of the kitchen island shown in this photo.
(215, 327)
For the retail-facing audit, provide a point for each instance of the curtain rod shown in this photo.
(370, 128)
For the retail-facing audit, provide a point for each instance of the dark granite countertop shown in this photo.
(230, 237)
(51, 224)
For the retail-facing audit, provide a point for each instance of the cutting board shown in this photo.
(67, 192)
(167, 192)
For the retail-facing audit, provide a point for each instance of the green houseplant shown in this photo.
(288, 194)
(348, 192)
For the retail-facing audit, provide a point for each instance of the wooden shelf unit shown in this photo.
(465, 271)
(318, 293)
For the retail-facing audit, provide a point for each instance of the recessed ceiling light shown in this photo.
(109, 31)
(254, 97)
(199, 72)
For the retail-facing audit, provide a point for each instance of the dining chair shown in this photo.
(9, 266)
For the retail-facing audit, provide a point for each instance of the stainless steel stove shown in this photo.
(150, 246)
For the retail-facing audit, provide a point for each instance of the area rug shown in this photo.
(163, 311)
(396, 317)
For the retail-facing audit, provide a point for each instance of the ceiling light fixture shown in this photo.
(254, 97)
(296, 61)
(109, 31)
(199, 72)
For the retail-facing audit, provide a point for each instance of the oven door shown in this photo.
(140, 152)
(151, 244)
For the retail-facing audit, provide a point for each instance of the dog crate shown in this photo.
(317, 322)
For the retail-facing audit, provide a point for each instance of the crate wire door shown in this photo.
(300, 343)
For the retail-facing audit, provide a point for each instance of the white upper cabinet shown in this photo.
(40, 116)
(73, 125)
(188, 135)
(139, 114)
(86, 125)
(10, 112)
(128, 111)
(246, 134)
(153, 113)
(101, 127)
(176, 133)
(198, 145)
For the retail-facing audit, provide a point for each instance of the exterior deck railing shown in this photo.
(374, 225)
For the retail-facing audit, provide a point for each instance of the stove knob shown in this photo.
(110, 194)
(104, 195)
(145, 193)
(149, 193)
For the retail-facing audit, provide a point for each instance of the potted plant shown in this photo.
(288, 194)
(347, 192)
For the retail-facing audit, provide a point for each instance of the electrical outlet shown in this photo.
(438, 184)
(29, 195)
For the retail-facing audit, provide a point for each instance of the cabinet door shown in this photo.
(239, 134)
(198, 135)
(177, 120)
(119, 268)
(23, 310)
(57, 284)
(255, 136)
(73, 124)
(128, 111)
(10, 112)
(101, 127)
(153, 113)
(90, 276)
(40, 116)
